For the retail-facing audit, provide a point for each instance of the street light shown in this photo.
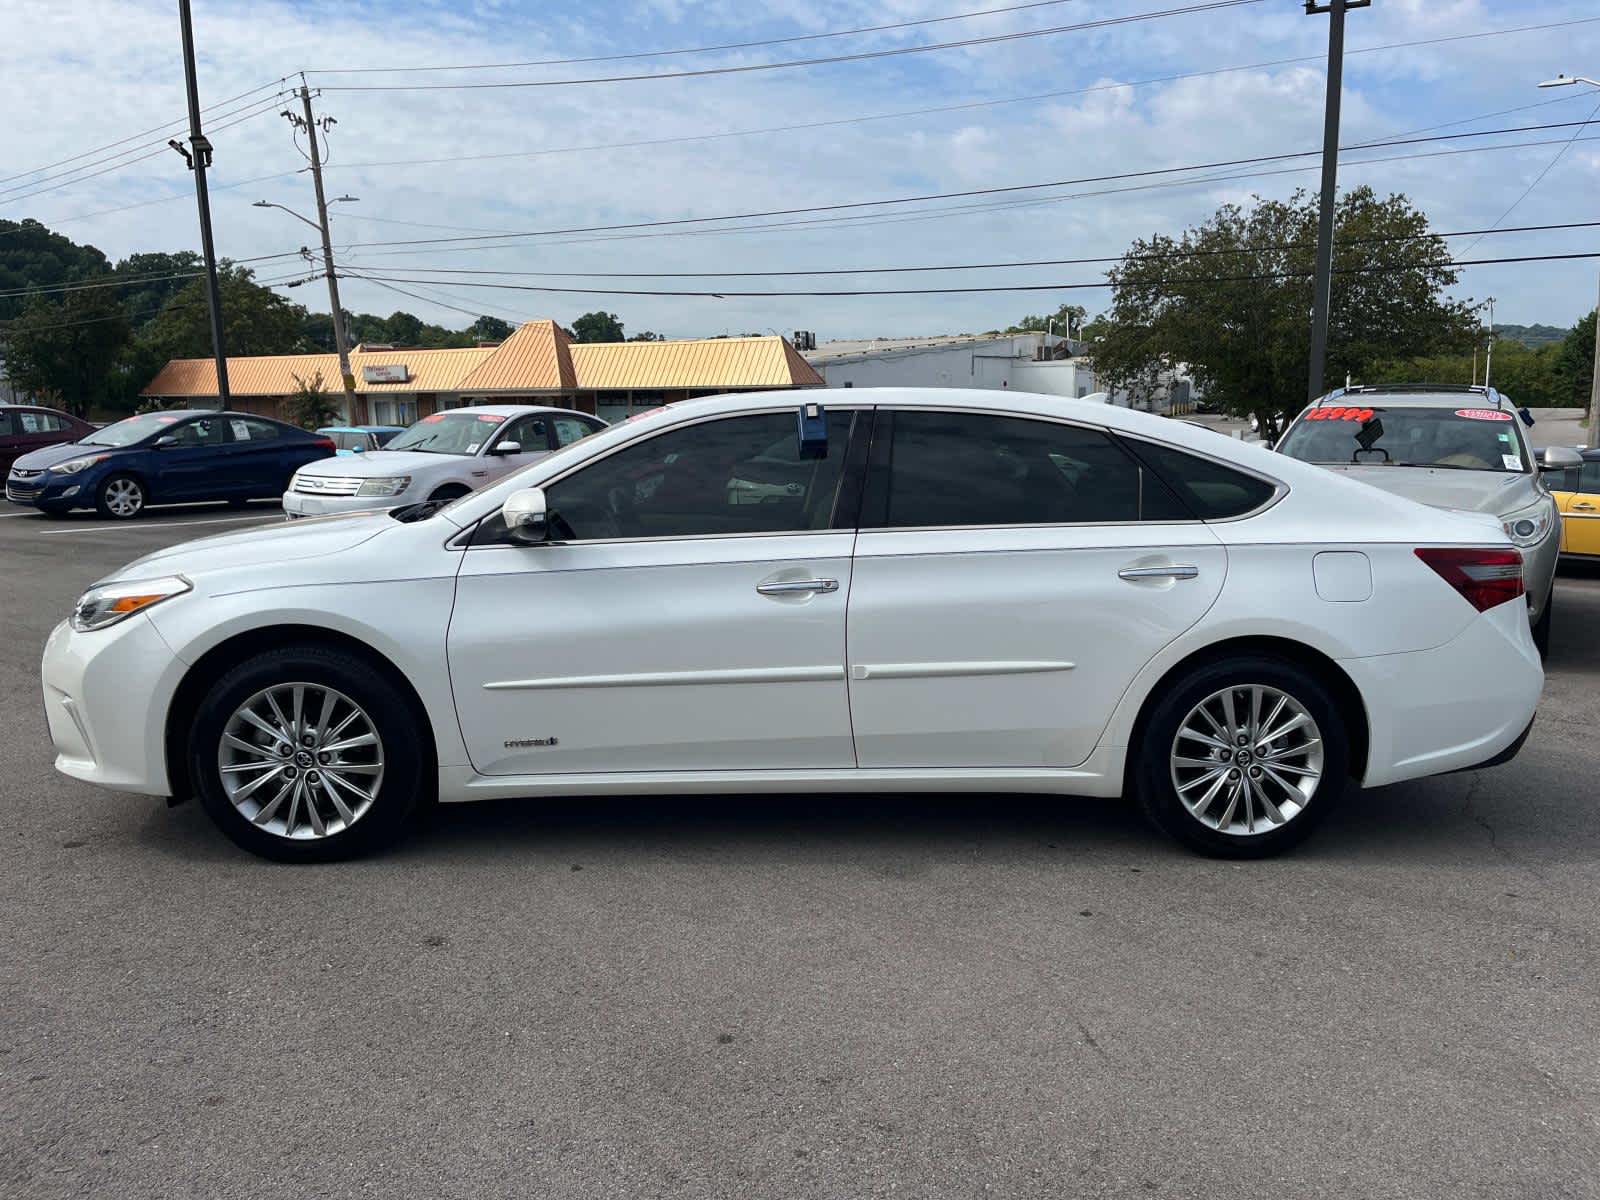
(297, 216)
(1594, 383)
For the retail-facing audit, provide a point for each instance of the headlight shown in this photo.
(73, 466)
(111, 602)
(391, 485)
(1529, 526)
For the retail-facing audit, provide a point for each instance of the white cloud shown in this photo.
(75, 76)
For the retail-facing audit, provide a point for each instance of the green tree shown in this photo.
(597, 327)
(1231, 299)
(31, 256)
(1574, 365)
(646, 336)
(1066, 321)
(403, 329)
(490, 329)
(311, 406)
(149, 283)
(255, 320)
(65, 350)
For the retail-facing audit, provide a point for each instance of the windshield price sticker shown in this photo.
(1340, 414)
(1483, 414)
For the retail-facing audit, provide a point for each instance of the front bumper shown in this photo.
(1454, 707)
(297, 505)
(48, 491)
(106, 696)
(1539, 571)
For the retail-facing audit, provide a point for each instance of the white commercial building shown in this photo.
(1026, 362)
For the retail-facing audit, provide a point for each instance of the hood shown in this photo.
(374, 464)
(49, 456)
(1495, 492)
(291, 541)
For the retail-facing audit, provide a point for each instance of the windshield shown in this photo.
(448, 433)
(134, 429)
(1463, 439)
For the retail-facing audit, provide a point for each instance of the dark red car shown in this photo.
(25, 427)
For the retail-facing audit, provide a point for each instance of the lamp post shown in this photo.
(1594, 382)
(340, 341)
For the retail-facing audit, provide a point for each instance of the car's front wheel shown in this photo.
(120, 497)
(447, 491)
(1243, 757)
(308, 754)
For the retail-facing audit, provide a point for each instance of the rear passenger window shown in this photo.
(961, 469)
(1211, 491)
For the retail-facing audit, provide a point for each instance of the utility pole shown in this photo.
(1488, 353)
(313, 129)
(198, 156)
(1322, 283)
(1594, 382)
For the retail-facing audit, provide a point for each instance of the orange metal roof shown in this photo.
(534, 358)
(752, 362)
(538, 357)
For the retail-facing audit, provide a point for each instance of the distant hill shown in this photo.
(1531, 336)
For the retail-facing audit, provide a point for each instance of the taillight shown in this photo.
(326, 444)
(1484, 578)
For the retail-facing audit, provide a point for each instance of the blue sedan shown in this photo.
(164, 457)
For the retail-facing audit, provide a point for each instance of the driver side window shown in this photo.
(738, 475)
(207, 431)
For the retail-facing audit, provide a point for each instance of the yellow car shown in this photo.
(1577, 494)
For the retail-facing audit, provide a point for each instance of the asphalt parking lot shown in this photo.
(919, 996)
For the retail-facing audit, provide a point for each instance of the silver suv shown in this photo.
(1451, 447)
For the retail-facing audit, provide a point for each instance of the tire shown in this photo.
(120, 497)
(448, 491)
(1541, 627)
(321, 831)
(1318, 772)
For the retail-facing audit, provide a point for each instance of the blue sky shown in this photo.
(80, 75)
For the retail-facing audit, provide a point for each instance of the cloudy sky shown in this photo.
(1074, 104)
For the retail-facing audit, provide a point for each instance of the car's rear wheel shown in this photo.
(1541, 627)
(120, 497)
(1243, 757)
(308, 754)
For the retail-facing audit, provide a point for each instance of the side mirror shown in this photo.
(507, 448)
(1559, 458)
(165, 441)
(525, 516)
(358, 448)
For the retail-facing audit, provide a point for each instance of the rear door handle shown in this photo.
(1172, 572)
(790, 586)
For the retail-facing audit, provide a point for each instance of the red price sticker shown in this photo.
(432, 419)
(1483, 414)
(1339, 414)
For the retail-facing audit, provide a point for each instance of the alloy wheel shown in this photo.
(1247, 759)
(301, 760)
(124, 497)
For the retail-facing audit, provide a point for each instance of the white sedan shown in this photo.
(441, 457)
(906, 589)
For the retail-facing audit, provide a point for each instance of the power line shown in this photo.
(106, 212)
(779, 41)
(989, 191)
(1032, 287)
(866, 220)
(1539, 178)
(137, 136)
(991, 266)
(899, 51)
(113, 279)
(285, 281)
(117, 166)
(428, 299)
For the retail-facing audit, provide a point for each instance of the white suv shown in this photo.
(439, 458)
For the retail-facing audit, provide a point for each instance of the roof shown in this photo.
(276, 374)
(1417, 394)
(534, 358)
(832, 352)
(538, 357)
(752, 362)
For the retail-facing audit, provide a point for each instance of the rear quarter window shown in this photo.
(1210, 490)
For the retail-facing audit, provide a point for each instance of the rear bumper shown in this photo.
(1455, 707)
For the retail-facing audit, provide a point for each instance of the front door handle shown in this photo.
(790, 586)
(1583, 507)
(1172, 572)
